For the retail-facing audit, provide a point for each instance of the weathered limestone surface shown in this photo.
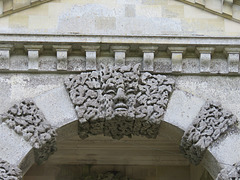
(211, 122)
(9, 172)
(28, 121)
(56, 107)
(118, 101)
(182, 109)
(14, 148)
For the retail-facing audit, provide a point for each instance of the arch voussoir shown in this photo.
(28, 121)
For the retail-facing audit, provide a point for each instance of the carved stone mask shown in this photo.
(119, 89)
(118, 101)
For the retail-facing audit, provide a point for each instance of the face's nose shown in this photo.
(120, 96)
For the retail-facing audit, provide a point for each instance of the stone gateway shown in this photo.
(116, 89)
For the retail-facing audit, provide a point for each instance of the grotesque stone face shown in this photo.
(119, 89)
(118, 101)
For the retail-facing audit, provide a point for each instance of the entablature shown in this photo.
(160, 54)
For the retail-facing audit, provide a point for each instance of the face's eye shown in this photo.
(130, 91)
(110, 91)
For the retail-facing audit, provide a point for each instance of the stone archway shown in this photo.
(96, 96)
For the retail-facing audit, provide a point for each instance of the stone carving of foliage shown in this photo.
(9, 172)
(230, 173)
(119, 101)
(211, 122)
(28, 121)
(112, 175)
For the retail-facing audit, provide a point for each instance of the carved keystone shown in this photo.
(211, 122)
(230, 172)
(148, 57)
(120, 55)
(205, 54)
(62, 54)
(177, 57)
(233, 59)
(28, 121)
(33, 56)
(9, 171)
(119, 101)
(5, 55)
(91, 57)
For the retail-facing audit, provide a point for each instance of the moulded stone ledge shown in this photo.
(174, 59)
(226, 8)
(10, 6)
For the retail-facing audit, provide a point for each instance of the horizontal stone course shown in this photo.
(214, 59)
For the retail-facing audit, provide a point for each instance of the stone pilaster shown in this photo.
(33, 56)
(148, 57)
(120, 54)
(233, 59)
(5, 50)
(62, 55)
(91, 57)
(177, 57)
(205, 56)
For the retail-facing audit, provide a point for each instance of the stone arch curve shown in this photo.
(88, 103)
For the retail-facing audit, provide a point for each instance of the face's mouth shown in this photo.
(120, 107)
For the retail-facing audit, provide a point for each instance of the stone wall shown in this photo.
(118, 17)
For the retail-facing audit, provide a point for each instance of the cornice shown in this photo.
(117, 39)
(8, 7)
(180, 55)
(229, 9)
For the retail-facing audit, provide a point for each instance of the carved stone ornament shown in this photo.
(230, 173)
(111, 175)
(28, 121)
(9, 172)
(211, 122)
(118, 101)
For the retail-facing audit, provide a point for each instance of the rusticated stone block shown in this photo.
(230, 172)
(118, 101)
(211, 122)
(28, 121)
(9, 171)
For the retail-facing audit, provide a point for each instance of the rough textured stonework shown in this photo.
(118, 101)
(211, 122)
(27, 120)
(230, 173)
(112, 175)
(9, 172)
